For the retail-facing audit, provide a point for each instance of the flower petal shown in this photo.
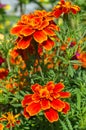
(26, 114)
(64, 94)
(36, 87)
(57, 104)
(33, 108)
(58, 87)
(66, 108)
(24, 43)
(49, 32)
(16, 30)
(27, 31)
(45, 104)
(51, 115)
(40, 36)
(27, 99)
(35, 97)
(48, 44)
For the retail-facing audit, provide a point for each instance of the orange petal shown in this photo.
(36, 88)
(75, 9)
(51, 115)
(40, 36)
(49, 32)
(44, 24)
(45, 104)
(57, 104)
(16, 30)
(48, 44)
(33, 108)
(27, 100)
(35, 97)
(24, 43)
(65, 94)
(26, 114)
(50, 86)
(58, 87)
(27, 31)
(66, 108)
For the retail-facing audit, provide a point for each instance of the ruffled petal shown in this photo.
(45, 104)
(66, 108)
(27, 31)
(57, 104)
(64, 94)
(27, 100)
(24, 43)
(40, 36)
(49, 32)
(51, 115)
(33, 108)
(26, 114)
(36, 88)
(35, 97)
(58, 87)
(16, 30)
(48, 45)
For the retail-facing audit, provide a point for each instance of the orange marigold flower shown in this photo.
(82, 58)
(38, 26)
(3, 73)
(65, 7)
(11, 119)
(48, 99)
(1, 126)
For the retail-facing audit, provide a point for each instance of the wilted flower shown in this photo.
(65, 7)
(46, 98)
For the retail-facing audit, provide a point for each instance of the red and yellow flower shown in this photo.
(37, 28)
(48, 99)
(3, 73)
(11, 119)
(65, 7)
(82, 58)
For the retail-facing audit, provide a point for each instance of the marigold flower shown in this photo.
(10, 118)
(3, 73)
(36, 27)
(48, 99)
(82, 58)
(65, 7)
(1, 60)
(1, 126)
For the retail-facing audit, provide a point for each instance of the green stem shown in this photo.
(52, 127)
